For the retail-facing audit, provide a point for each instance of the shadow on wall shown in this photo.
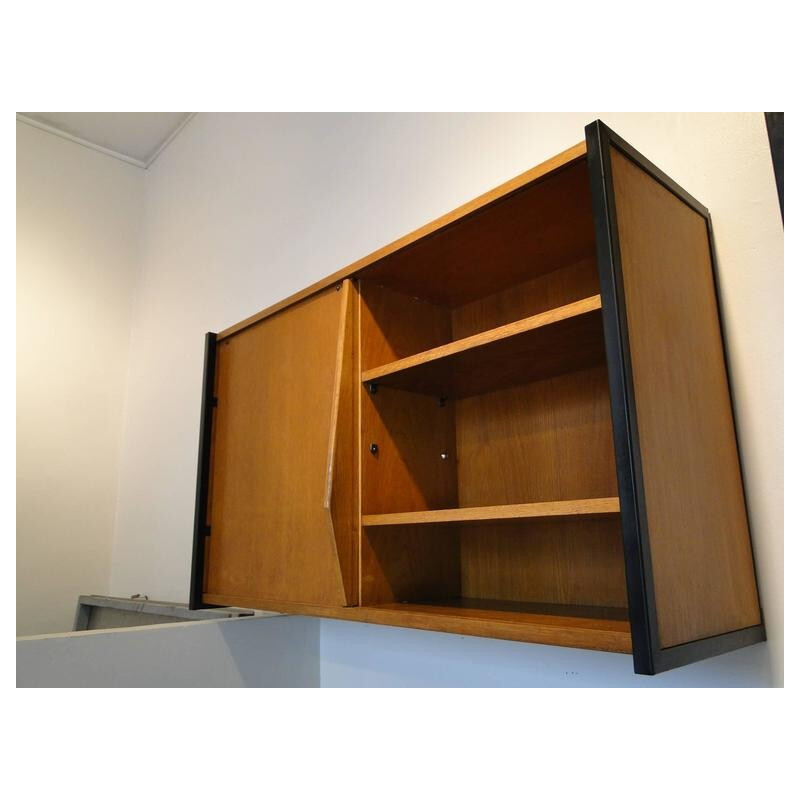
(286, 651)
(356, 654)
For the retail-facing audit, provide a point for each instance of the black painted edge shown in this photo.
(682, 654)
(649, 657)
(653, 171)
(201, 529)
(638, 570)
(774, 122)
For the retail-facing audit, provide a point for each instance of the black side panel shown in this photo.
(648, 657)
(201, 529)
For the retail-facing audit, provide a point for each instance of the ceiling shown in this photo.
(137, 138)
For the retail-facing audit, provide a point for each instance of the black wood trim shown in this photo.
(774, 120)
(638, 569)
(201, 529)
(682, 654)
(648, 656)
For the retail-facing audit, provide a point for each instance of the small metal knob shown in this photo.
(373, 448)
(444, 456)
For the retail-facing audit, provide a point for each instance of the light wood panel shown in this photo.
(408, 563)
(546, 344)
(552, 165)
(590, 633)
(341, 488)
(545, 441)
(699, 541)
(271, 535)
(396, 325)
(411, 432)
(577, 562)
(542, 293)
(596, 507)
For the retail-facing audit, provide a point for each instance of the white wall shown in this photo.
(242, 210)
(78, 231)
(357, 654)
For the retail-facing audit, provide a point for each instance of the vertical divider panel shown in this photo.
(341, 483)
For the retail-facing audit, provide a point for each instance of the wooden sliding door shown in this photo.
(281, 503)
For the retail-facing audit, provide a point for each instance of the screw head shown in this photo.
(373, 448)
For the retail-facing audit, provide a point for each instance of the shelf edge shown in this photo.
(615, 637)
(595, 507)
(525, 325)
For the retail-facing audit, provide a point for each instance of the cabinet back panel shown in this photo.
(536, 229)
(548, 440)
(541, 293)
(271, 537)
(561, 562)
(409, 563)
(396, 325)
(699, 542)
(574, 562)
(411, 432)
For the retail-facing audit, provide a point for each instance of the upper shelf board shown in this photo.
(558, 509)
(561, 340)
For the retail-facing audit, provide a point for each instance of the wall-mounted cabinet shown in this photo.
(514, 422)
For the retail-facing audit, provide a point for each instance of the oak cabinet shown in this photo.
(514, 422)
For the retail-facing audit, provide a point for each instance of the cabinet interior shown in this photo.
(488, 484)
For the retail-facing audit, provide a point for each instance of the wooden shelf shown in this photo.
(595, 507)
(561, 340)
(590, 627)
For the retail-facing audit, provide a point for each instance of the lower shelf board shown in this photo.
(491, 609)
(586, 627)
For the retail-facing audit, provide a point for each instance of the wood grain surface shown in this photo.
(271, 533)
(699, 540)
(571, 561)
(560, 287)
(556, 341)
(341, 486)
(595, 507)
(544, 441)
(537, 229)
(564, 628)
(396, 325)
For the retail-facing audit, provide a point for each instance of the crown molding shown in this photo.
(163, 146)
(42, 126)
